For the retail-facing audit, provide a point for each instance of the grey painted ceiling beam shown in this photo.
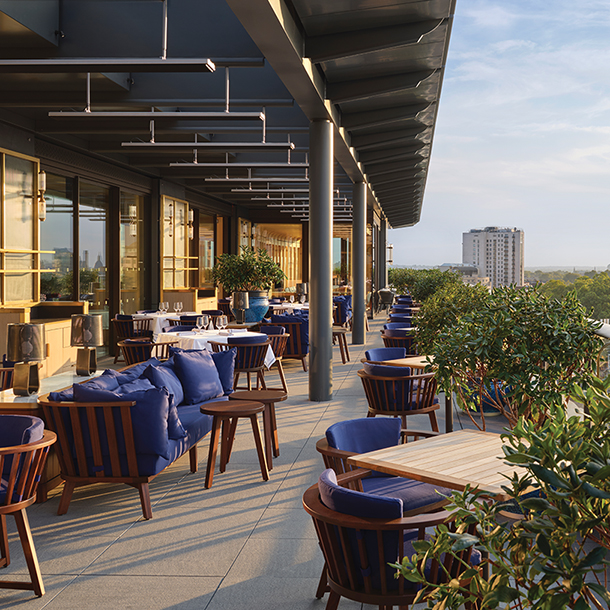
(405, 153)
(360, 89)
(339, 45)
(387, 138)
(389, 168)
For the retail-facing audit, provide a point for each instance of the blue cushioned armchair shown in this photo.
(360, 535)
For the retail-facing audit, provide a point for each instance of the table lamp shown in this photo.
(87, 334)
(26, 347)
(302, 289)
(241, 302)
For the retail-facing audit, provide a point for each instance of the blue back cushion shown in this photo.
(273, 330)
(397, 325)
(245, 340)
(137, 385)
(149, 415)
(397, 332)
(212, 312)
(385, 353)
(364, 434)
(20, 430)
(303, 328)
(356, 503)
(382, 370)
(108, 380)
(133, 372)
(225, 365)
(199, 376)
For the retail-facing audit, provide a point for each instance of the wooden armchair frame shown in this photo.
(24, 475)
(294, 347)
(250, 360)
(76, 426)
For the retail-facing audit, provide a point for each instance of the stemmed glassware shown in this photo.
(292, 298)
(163, 306)
(222, 322)
(179, 303)
(205, 321)
(199, 323)
(176, 308)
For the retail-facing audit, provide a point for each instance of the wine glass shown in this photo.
(161, 306)
(176, 309)
(180, 306)
(198, 324)
(165, 307)
(205, 321)
(292, 298)
(222, 322)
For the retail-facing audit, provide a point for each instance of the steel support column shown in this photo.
(320, 260)
(359, 263)
(383, 254)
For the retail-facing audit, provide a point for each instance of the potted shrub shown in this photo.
(556, 555)
(252, 272)
(518, 351)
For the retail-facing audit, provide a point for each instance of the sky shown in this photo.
(523, 135)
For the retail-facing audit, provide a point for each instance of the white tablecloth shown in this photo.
(194, 340)
(160, 320)
(289, 308)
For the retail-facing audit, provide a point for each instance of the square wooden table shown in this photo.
(451, 460)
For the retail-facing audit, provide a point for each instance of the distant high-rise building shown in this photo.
(498, 252)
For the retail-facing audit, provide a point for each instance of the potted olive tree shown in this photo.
(518, 351)
(556, 556)
(252, 272)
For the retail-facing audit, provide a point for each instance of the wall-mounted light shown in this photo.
(170, 218)
(191, 220)
(390, 248)
(42, 204)
(133, 220)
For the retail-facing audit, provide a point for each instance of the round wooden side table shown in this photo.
(268, 398)
(227, 413)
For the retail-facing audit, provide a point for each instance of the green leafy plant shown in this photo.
(556, 556)
(247, 271)
(421, 283)
(444, 308)
(519, 352)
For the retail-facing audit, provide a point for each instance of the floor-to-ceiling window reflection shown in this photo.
(342, 258)
(57, 241)
(93, 261)
(131, 253)
(283, 243)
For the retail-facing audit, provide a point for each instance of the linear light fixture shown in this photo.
(250, 179)
(221, 146)
(276, 165)
(187, 115)
(276, 190)
(106, 64)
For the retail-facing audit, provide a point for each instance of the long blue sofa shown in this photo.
(127, 426)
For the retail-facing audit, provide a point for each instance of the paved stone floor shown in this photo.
(244, 544)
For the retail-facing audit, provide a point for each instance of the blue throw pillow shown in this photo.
(66, 395)
(165, 377)
(199, 376)
(133, 372)
(382, 370)
(103, 382)
(224, 361)
(148, 416)
(225, 364)
(134, 386)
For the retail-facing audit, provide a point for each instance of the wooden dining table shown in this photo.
(453, 460)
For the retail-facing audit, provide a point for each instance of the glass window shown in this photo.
(56, 238)
(283, 243)
(206, 251)
(93, 216)
(131, 253)
(20, 221)
(175, 243)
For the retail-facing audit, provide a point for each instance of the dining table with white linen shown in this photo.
(160, 320)
(288, 308)
(201, 340)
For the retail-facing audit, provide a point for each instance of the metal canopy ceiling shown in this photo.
(239, 80)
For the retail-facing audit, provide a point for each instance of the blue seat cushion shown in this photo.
(225, 365)
(415, 495)
(198, 375)
(20, 430)
(356, 503)
(149, 415)
(397, 326)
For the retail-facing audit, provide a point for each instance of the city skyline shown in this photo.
(522, 135)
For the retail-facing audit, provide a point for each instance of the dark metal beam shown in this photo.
(388, 138)
(360, 89)
(386, 116)
(161, 116)
(110, 64)
(405, 153)
(153, 147)
(347, 44)
(387, 168)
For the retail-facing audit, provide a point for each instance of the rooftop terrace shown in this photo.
(243, 544)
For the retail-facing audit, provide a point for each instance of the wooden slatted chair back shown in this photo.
(408, 342)
(6, 377)
(135, 351)
(294, 347)
(401, 396)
